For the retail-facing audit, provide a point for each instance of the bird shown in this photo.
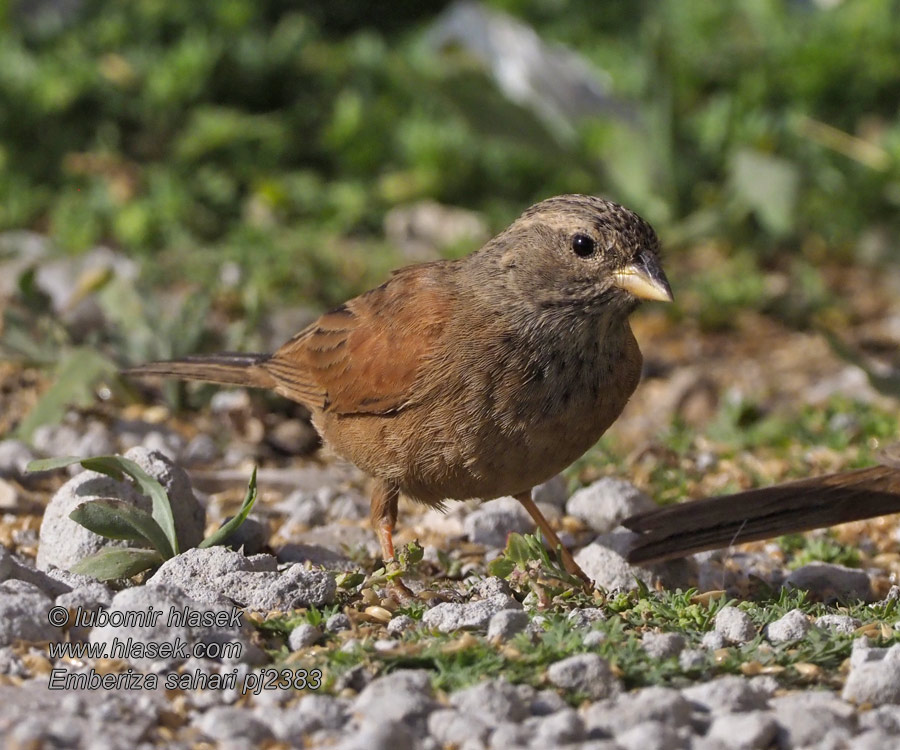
(478, 377)
(816, 502)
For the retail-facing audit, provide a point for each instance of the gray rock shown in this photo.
(316, 555)
(68, 440)
(166, 599)
(553, 492)
(556, 730)
(450, 616)
(692, 658)
(23, 614)
(886, 718)
(507, 623)
(652, 735)
(492, 701)
(251, 536)
(229, 401)
(735, 625)
(338, 622)
(9, 496)
(304, 636)
(607, 502)
(305, 507)
(379, 734)
(403, 696)
(585, 617)
(493, 521)
(588, 674)
(545, 702)
(659, 704)
(14, 457)
(254, 582)
(713, 640)
(485, 588)
(593, 638)
(167, 442)
(64, 542)
(727, 694)
(201, 449)
(808, 718)
(791, 627)
(451, 727)
(610, 570)
(311, 713)
(830, 582)
(875, 739)
(875, 682)
(91, 597)
(843, 624)
(662, 645)
(226, 723)
(750, 730)
(400, 624)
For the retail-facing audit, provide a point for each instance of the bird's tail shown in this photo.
(226, 368)
(679, 530)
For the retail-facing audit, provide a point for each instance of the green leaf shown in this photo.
(50, 464)
(517, 549)
(117, 562)
(221, 534)
(501, 566)
(119, 466)
(349, 580)
(116, 519)
(767, 185)
(76, 377)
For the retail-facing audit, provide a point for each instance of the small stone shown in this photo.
(607, 502)
(843, 624)
(808, 718)
(250, 537)
(253, 582)
(791, 627)
(585, 617)
(379, 734)
(662, 645)
(692, 658)
(735, 625)
(14, 457)
(226, 723)
(338, 622)
(507, 623)
(201, 449)
(588, 674)
(9, 496)
(305, 507)
(228, 401)
(303, 636)
(492, 701)
(875, 682)
(750, 730)
(494, 521)
(727, 695)
(553, 492)
(23, 614)
(400, 624)
(713, 640)
(402, 696)
(651, 735)
(610, 570)
(829, 582)
(662, 704)
(593, 638)
(451, 616)
(451, 727)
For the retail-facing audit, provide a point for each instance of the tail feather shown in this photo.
(226, 368)
(679, 530)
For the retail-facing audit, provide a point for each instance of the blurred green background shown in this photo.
(273, 138)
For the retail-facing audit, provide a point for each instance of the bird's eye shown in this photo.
(583, 246)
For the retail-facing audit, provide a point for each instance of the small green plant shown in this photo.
(527, 565)
(804, 550)
(116, 519)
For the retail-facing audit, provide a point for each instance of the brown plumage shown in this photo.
(478, 377)
(818, 502)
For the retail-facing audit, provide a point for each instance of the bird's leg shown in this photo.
(383, 517)
(568, 561)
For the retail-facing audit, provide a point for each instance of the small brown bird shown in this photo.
(478, 377)
(815, 503)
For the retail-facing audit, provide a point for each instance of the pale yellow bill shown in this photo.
(644, 282)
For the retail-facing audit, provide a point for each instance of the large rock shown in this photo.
(64, 542)
(254, 582)
(830, 582)
(24, 614)
(607, 502)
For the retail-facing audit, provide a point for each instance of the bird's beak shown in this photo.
(644, 279)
